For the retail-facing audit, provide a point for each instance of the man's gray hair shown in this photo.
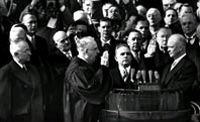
(84, 42)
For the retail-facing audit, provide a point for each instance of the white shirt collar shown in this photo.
(121, 69)
(191, 37)
(30, 37)
(176, 61)
(179, 59)
(135, 54)
(19, 64)
(103, 42)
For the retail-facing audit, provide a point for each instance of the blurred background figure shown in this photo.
(168, 4)
(141, 10)
(172, 21)
(134, 42)
(185, 8)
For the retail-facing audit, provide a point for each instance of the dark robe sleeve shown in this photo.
(93, 89)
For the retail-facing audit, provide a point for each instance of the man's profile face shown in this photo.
(173, 48)
(92, 52)
(123, 56)
(30, 21)
(63, 44)
(105, 29)
(135, 41)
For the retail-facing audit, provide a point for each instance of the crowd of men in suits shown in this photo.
(60, 58)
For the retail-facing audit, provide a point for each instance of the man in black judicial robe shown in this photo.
(85, 88)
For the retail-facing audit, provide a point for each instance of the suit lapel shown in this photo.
(177, 68)
(20, 73)
(121, 81)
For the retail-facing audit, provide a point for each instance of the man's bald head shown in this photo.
(176, 45)
(61, 41)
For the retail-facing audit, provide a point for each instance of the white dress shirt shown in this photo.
(176, 61)
(122, 71)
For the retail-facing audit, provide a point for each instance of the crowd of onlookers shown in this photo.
(43, 37)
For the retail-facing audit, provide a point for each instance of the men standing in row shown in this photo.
(21, 94)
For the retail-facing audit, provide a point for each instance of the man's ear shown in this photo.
(85, 51)
(98, 28)
(55, 44)
(115, 58)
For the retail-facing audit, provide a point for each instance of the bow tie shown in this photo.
(190, 38)
(106, 46)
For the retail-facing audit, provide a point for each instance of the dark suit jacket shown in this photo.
(141, 64)
(73, 5)
(180, 78)
(118, 81)
(40, 52)
(194, 55)
(59, 63)
(40, 59)
(14, 10)
(158, 61)
(18, 89)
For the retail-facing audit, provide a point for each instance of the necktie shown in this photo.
(125, 75)
(33, 42)
(69, 55)
(106, 46)
(137, 56)
(24, 67)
